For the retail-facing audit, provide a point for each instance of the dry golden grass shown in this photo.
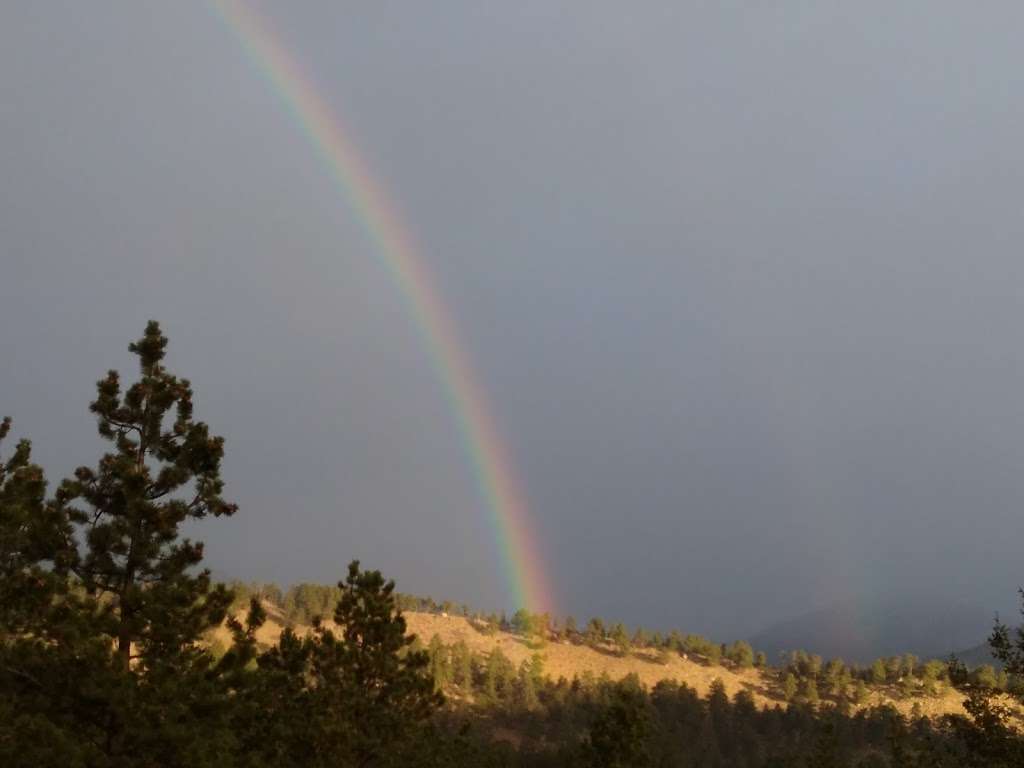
(568, 660)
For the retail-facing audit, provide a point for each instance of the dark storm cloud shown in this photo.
(742, 280)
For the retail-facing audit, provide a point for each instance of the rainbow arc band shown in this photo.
(522, 569)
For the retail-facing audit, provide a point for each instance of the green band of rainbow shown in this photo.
(522, 569)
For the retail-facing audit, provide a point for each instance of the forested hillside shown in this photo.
(459, 639)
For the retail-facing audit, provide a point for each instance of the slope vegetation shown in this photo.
(564, 659)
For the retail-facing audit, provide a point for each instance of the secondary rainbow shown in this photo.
(521, 564)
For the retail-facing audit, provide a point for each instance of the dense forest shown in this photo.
(106, 615)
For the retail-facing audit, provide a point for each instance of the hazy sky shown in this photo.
(743, 282)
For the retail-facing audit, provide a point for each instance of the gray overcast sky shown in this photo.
(743, 282)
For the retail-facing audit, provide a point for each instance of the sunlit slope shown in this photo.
(564, 659)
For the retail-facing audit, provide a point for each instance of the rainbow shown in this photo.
(521, 565)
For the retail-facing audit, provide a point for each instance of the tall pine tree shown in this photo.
(164, 470)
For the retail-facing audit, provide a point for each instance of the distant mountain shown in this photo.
(859, 631)
(978, 656)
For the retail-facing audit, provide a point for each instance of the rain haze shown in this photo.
(742, 283)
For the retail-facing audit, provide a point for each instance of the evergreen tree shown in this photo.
(714, 653)
(741, 654)
(836, 677)
(33, 560)
(826, 752)
(618, 737)
(341, 699)
(440, 667)
(789, 687)
(893, 668)
(620, 638)
(640, 639)
(931, 672)
(462, 665)
(498, 675)
(908, 664)
(526, 688)
(40, 667)
(813, 665)
(908, 686)
(491, 624)
(861, 693)
(537, 668)
(985, 676)
(116, 667)
(809, 691)
(158, 477)
(522, 622)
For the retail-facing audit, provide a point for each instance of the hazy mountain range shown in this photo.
(859, 631)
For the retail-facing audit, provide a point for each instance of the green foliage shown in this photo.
(105, 651)
(991, 729)
(878, 672)
(861, 693)
(105, 615)
(741, 654)
(33, 557)
(595, 632)
(933, 670)
(985, 676)
(681, 729)
(809, 691)
(525, 689)
(701, 646)
(243, 593)
(346, 698)
(640, 639)
(618, 735)
(522, 622)
(836, 677)
(620, 639)
(129, 511)
(893, 668)
(789, 687)
(908, 664)
(908, 686)
(826, 752)
(803, 664)
(498, 676)
(306, 603)
(462, 665)
(440, 665)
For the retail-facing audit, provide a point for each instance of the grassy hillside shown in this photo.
(569, 660)
(575, 660)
